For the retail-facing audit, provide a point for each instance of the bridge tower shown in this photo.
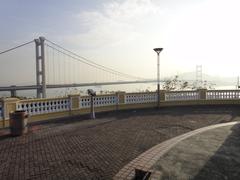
(40, 68)
(199, 76)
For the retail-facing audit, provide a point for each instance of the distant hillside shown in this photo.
(222, 81)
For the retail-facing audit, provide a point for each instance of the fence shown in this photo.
(103, 100)
(182, 95)
(137, 98)
(35, 107)
(39, 109)
(223, 94)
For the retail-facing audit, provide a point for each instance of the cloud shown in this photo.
(115, 23)
(192, 33)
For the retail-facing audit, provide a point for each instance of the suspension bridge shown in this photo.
(58, 67)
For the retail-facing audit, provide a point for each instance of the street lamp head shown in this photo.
(158, 50)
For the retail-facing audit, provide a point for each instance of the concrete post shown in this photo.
(202, 94)
(9, 105)
(120, 99)
(74, 101)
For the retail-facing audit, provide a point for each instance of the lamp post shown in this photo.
(158, 50)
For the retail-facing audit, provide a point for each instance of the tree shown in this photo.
(175, 84)
(184, 85)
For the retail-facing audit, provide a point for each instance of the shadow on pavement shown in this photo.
(5, 136)
(232, 111)
(225, 163)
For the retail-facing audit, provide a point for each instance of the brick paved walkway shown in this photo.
(97, 149)
(147, 159)
(212, 154)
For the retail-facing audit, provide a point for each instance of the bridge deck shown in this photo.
(52, 86)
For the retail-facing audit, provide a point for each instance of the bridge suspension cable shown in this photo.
(80, 60)
(16, 47)
(91, 63)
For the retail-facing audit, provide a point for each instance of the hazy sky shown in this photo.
(122, 33)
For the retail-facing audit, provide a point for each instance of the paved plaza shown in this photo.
(212, 154)
(80, 148)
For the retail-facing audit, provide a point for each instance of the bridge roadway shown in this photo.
(15, 88)
(52, 86)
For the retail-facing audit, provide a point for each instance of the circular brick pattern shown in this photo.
(147, 159)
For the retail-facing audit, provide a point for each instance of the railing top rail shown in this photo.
(42, 100)
(190, 91)
(139, 93)
(224, 90)
(99, 95)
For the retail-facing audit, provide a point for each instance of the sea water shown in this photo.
(106, 89)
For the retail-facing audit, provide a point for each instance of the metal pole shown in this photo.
(158, 80)
(44, 95)
(92, 108)
(158, 50)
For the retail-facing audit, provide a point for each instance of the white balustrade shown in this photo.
(223, 94)
(182, 96)
(140, 98)
(105, 100)
(43, 107)
(108, 100)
